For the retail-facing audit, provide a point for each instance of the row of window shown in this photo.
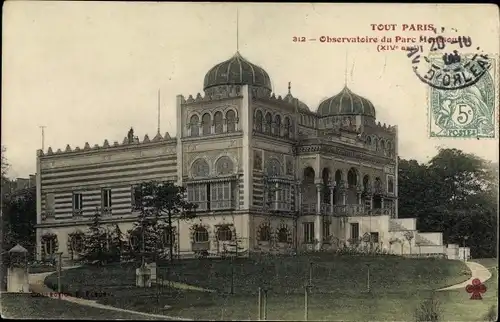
(213, 196)
(217, 126)
(78, 201)
(273, 126)
(354, 232)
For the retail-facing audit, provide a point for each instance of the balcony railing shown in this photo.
(345, 210)
(310, 208)
(200, 246)
(280, 206)
(215, 205)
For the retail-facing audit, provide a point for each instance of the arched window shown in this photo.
(283, 235)
(77, 242)
(200, 168)
(231, 121)
(378, 185)
(268, 123)
(205, 123)
(265, 233)
(286, 128)
(200, 235)
(277, 125)
(224, 233)
(49, 244)
(195, 127)
(218, 123)
(258, 121)
(273, 168)
(224, 165)
(352, 177)
(366, 182)
(292, 130)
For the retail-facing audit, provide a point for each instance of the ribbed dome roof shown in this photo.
(237, 71)
(346, 103)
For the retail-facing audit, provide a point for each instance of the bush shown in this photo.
(363, 250)
(428, 311)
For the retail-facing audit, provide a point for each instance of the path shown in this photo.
(37, 285)
(477, 271)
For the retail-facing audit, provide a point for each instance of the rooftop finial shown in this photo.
(289, 87)
(237, 30)
(158, 111)
(345, 70)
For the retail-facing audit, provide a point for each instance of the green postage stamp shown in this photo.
(465, 105)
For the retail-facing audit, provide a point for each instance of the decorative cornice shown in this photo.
(327, 148)
(212, 137)
(87, 150)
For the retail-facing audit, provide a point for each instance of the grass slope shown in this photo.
(339, 286)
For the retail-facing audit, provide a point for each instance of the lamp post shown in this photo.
(59, 264)
(368, 278)
(465, 240)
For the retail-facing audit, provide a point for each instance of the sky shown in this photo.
(88, 71)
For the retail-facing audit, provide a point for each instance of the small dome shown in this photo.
(237, 71)
(346, 103)
(290, 99)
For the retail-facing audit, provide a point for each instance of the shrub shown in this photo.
(364, 250)
(428, 310)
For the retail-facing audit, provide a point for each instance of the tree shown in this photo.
(454, 193)
(116, 247)
(5, 164)
(161, 203)
(94, 247)
(19, 219)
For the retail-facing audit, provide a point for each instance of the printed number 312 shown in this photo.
(299, 39)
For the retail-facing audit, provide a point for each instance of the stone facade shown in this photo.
(267, 173)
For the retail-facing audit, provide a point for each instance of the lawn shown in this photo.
(25, 306)
(339, 286)
(458, 303)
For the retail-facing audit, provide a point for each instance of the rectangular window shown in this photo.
(326, 230)
(77, 202)
(198, 194)
(49, 202)
(106, 199)
(221, 195)
(374, 237)
(354, 231)
(308, 232)
(136, 197)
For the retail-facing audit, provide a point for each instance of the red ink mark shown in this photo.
(476, 288)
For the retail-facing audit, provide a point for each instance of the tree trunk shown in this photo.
(171, 244)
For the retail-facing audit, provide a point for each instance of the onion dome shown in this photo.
(290, 99)
(237, 71)
(346, 103)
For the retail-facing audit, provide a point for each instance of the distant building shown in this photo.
(264, 170)
(13, 187)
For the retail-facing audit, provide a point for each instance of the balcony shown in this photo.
(280, 206)
(200, 246)
(310, 208)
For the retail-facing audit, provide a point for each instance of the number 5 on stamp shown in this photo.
(467, 112)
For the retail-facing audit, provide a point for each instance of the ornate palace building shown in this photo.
(267, 172)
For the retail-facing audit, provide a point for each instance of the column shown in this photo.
(318, 201)
(318, 226)
(382, 202)
(331, 199)
(298, 186)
